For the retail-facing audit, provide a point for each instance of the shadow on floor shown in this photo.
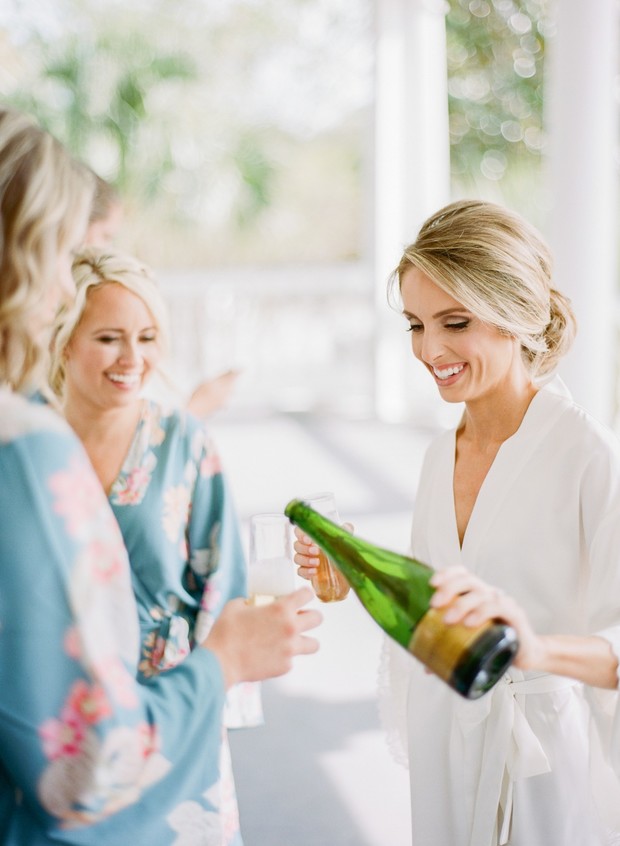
(285, 795)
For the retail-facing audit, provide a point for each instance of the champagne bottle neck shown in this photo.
(396, 592)
(404, 579)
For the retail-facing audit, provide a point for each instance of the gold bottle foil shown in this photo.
(441, 647)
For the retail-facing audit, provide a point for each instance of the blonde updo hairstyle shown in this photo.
(92, 269)
(498, 266)
(45, 198)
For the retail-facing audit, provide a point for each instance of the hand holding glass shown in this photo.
(329, 584)
(270, 566)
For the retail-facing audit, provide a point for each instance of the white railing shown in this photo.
(301, 335)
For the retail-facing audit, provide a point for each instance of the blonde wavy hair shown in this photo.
(499, 267)
(92, 269)
(45, 198)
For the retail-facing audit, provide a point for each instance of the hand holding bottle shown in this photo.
(253, 643)
(473, 601)
(396, 591)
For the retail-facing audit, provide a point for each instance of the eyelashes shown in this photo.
(107, 339)
(452, 327)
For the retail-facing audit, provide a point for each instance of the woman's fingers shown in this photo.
(306, 555)
(466, 598)
(451, 583)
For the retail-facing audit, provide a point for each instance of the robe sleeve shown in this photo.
(216, 551)
(81, 742)
(600, 514)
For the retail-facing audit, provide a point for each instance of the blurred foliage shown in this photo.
(236, 130)
(219, 123)
(496, 52)
(68, 100)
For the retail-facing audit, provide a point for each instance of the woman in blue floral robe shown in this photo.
(88, 755)
(169, 496)
(92, 740)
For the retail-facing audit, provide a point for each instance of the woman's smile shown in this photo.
(125, 380)
(468, 358)
(114, 348)
(446, 375)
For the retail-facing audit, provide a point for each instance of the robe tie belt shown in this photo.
(511, 749)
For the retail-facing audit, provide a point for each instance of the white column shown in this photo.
(582, 109)
(411, 174)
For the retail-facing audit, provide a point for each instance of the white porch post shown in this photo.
(582, 129)
(411, 175)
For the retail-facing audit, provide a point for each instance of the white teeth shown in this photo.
(449, 371)
(124, 378)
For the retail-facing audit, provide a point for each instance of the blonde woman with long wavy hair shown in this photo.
(87, 754)
(160, 470)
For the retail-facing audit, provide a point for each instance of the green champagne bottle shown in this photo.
(396, 592)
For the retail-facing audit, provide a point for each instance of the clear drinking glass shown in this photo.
(329, 584)
(271, 571)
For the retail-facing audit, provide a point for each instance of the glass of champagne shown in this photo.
(271, 572)
(329, 584)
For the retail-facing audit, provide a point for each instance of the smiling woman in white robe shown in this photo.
(523, 495)
(546, 529)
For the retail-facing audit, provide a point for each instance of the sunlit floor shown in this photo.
(319, 773)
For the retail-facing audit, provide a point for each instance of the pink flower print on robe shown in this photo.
(127, 759)
(176, 509)
(100, 591)
(86, 705)
(72, 643)
(78, 496)
(132, 484)
(107, 562)
(111, 674)
(89, 702)
(171, 643)
(117, 680)
(62, 737)
(210, 464)
(152, 419)
(205, 455)
(127, 762)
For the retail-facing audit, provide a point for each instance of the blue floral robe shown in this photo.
(88, 755)
(181, 532)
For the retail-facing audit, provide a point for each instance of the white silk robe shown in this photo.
(524, 764)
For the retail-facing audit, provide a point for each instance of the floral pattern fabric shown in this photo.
(178, 522)
(88, 755)
(181, 532)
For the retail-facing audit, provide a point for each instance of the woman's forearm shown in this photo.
(588, 659)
